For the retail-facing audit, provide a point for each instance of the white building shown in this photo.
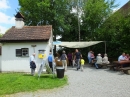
(19, 42)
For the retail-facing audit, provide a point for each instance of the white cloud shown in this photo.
(6, 19)
(4, 4)
(3, 29)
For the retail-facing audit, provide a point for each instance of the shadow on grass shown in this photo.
(45, 76)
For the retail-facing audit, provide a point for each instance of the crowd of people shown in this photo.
(124, 57)
(97, 60)
(76, 58)
(73, 58)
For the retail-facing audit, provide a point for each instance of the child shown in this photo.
(82, 63)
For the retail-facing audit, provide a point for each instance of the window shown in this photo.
(23, 52)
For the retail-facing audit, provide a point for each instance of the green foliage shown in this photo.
(47, 12)
(48, 69)
(95, 13)
(1, 35)
(19, 82)
(116, 29)
(98, 22)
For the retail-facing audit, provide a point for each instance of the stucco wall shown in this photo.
(0, 63)
(9, 61)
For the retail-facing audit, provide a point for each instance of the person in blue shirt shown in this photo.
(122, 57)
(50, 60)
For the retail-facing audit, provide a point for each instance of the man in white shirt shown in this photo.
(122, 57)
(99, 61)
(32, 64)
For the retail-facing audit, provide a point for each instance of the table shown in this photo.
(119, 65)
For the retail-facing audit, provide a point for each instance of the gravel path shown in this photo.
(89, 83)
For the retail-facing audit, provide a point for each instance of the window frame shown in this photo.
(20, 52)
(22, 49)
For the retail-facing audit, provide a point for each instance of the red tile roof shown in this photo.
(125, 9)
(28, 33)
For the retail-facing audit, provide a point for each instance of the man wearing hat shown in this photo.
(99, 60)
(105, 59)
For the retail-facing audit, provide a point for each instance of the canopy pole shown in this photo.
(105, 47)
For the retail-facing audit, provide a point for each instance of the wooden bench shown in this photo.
(126, 70)
(100, 65)
(111, 66)
(103, 65)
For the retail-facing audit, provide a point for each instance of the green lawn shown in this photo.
(19, 82)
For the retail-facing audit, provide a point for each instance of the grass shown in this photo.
(19, 82)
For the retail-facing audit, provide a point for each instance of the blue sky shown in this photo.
(8, 9)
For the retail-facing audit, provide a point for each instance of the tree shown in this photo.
(95, 12)
(47, 12)
(1, 35)
(116, 30)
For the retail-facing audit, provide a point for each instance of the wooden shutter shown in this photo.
(18, 52)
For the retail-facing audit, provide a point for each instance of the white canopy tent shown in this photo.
(76, 44)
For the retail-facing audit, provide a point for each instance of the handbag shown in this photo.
(33, 65)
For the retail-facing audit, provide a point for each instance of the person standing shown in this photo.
(77, 58)
(73, 60)
(89, 57)
(32, 64)
(63, 59)
(50, 60)
(70, 58)
(92, 57)
(82, 63)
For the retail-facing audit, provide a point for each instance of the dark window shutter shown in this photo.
(18, 52)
